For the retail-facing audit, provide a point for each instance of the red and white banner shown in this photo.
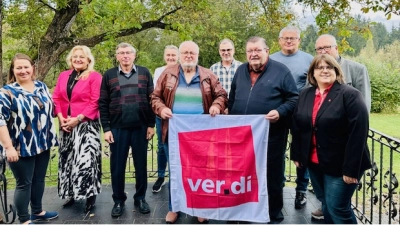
(218, 166)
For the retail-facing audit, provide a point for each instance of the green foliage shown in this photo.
(309, 36)
(48, 29)
(384, 71)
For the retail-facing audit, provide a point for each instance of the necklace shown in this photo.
(74, 81)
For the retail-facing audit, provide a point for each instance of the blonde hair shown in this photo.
(86, 51)
(11, 75)
(328, 59)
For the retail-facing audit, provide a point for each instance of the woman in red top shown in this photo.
(330, 128)
(76, 106)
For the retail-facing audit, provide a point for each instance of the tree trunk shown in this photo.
(57, 38)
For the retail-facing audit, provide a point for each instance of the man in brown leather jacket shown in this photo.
(186, 89)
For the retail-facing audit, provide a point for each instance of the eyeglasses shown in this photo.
(322, 68)
(225, 50)
(257, 51)
(325, 48)
(125, 53)
(289, 38)
(189, 53)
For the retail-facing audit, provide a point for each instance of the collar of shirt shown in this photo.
(181, 73)
(121, 72)
(325, 92)
(339, 59)
(232, 63)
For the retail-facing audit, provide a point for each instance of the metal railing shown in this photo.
(375, 201)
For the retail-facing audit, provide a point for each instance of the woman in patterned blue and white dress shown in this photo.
(76, 98)
(27, 133)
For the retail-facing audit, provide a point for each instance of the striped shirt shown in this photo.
(225, 75)
(188, 98)
(28, 117)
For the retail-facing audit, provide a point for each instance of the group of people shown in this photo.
(328, 120)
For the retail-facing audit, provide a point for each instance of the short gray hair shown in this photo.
(171, 47)
(125, 45)
(333, 39)
(186, 42)
(290, 28)
(227, 40)
(255, 39)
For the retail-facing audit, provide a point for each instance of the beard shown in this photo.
(256, 66)
(189, 66)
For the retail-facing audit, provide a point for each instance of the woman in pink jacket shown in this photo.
(76, 106)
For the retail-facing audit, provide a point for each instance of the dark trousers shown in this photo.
(123, 139)
(275, 162)
(29, 173)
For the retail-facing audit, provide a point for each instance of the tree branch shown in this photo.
(92, 41)
(48, 6)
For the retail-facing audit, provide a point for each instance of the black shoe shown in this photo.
(143, 206)
(90, 203)
(300, 200)
(158, 184)
(69, 202)
(118, 209)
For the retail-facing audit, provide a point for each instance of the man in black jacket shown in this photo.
(265, 86)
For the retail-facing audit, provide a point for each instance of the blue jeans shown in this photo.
(161, 157)
(302, 179)
(169, 184)
(335, 195)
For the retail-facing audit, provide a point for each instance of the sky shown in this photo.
(308, 18)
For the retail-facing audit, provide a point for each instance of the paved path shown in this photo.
(158, 202)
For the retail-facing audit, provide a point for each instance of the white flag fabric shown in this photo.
(218, 166)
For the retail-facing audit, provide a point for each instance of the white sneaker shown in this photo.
(317, 214)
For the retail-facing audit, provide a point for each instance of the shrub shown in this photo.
(384, 72)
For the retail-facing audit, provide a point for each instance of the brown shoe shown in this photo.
(171, 217)
(202, 220)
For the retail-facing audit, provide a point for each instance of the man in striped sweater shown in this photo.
(128, 122)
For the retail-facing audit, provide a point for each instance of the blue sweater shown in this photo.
(274, 89)
(298, 64)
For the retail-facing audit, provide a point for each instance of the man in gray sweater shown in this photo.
(298, 63)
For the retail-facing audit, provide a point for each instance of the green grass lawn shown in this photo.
(386, 123)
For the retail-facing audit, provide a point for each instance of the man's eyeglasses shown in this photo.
(289, 38)
(322, 68)
(257, 51)
(124, 53)
(225, 50)
(189, 53)
(325, 48)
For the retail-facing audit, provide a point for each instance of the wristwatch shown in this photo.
(80, 118)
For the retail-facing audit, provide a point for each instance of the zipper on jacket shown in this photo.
(248, 99)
